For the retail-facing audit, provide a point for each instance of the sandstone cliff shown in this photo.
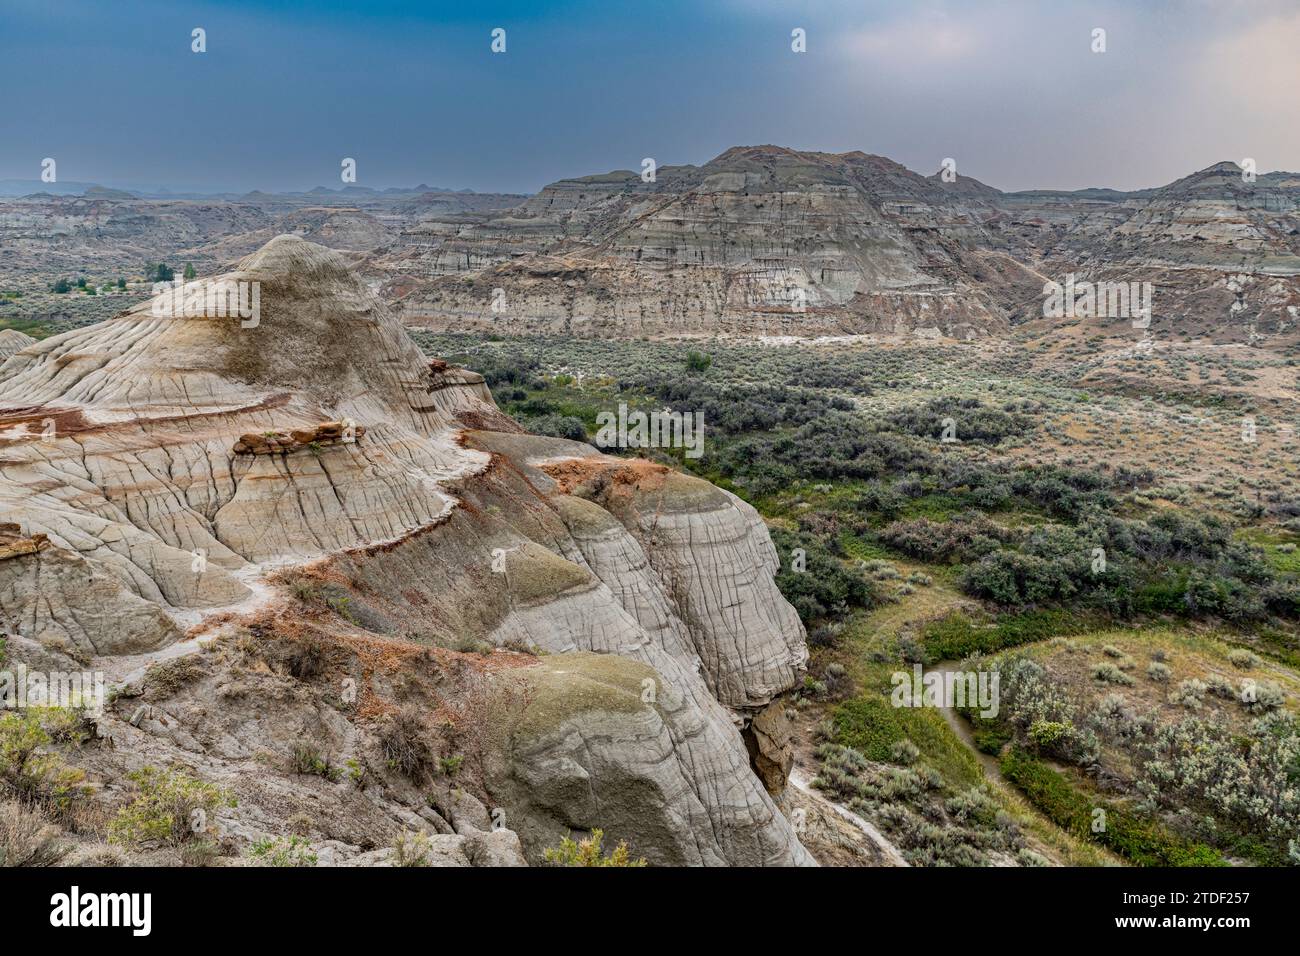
(297, 529)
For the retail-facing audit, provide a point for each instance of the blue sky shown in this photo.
(1010, 88)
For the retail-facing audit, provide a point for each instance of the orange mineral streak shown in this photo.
(632, 473)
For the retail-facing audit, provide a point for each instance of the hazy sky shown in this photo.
(412, 91)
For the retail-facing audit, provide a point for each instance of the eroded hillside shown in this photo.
(331, 583)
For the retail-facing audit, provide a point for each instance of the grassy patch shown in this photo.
(1140, 841)
(872, 726)
(957, 636)
(1281, 547)
(36, 328)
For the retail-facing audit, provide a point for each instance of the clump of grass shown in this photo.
(405, 744)
(283, 851)
(166, 678)
(301, 659)
(304, 589)
(412, 848)
(308, 761)
(28, 838)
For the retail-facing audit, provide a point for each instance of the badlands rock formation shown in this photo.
(760, 240)
(769, 240)
(304, 534)
(11, 341)
(113, 233)
(1222, 254)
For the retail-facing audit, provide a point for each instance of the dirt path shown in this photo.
(989, 764)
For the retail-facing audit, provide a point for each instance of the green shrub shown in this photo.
(698, 361)
(904, 752)
(450, 765)
(558, 426)
(170, 808)
(992, 739)
(412, 848)
(955, 636)
(826, 587)
(1220, 687)
(972, 419)
(1160, 673)
(967, 537)
(1047, 733)
(1108, 673)
(588, 852)
(1189, 693)
(28, 772)
(1243, 659)
(1241, 780)
(1263, 698)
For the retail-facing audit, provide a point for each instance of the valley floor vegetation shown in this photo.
(1127, 562)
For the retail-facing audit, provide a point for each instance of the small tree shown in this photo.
(189, 271)
(121, 284)
(61, 286)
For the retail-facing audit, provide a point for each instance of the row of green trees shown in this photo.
(153, 272)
